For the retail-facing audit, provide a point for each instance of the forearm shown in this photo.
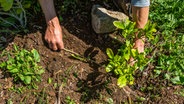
(48, 9)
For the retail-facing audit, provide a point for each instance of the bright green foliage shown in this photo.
(22, 65)
(171, 59)
(169, 15)
(119, 63)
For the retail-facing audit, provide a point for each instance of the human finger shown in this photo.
(60, 45)
(53, 46)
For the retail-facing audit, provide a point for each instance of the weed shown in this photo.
(22, 66)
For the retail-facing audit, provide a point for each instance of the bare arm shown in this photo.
(53, 34)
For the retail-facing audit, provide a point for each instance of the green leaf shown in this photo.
(6, 4)
(134, 52)
(27, 79)
(28, 73)
(127, 56)
(27, 4)
(119, 24)
(176, 80)
(182, 38)
(21, 77)
(36, 55)
(49, 80)
(167, 76)
(110, 53)
(109, 68)
(15, 70)
(3, 65)
(122, 81)
(40, 71)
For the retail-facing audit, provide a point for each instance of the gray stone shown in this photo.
(102, 19)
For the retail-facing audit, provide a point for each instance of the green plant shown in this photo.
(169, 48)
(13, 11)
(13, 15)
(119, 62)
(171, 60)
(68, 100)
(22, 66)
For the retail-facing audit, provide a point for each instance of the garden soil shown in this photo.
(81, 81)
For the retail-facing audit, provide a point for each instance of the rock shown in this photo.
(102, 19)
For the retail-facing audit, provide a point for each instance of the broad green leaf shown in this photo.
(127, 56)
(127, 43)
(41, 71)
(3, 64)
(110, 53)
(27, 79)
(133, 52)
(131, 82)
(49, 80)
(119, 24)
(9, 67)
(36, 55)
(21, 77)
(15, 70)
(122, 81)
(167, 76)
(176, 80)
(6, 4)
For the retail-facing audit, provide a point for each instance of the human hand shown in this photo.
(53, 35)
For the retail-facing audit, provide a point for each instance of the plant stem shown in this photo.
(67, 50)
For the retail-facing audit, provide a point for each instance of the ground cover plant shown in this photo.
(22, 66)
(78, 74)
(170, 43)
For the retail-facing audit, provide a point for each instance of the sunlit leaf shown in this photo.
(122, 81)
(27, 79)
(36, 55)
(110, 53)
(118, 24)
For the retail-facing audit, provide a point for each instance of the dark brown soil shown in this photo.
(83, 82)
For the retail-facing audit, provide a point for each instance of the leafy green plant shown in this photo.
(169, 48)
(119, 62)
(13, 11)
(13, 15)
(171, 60)
(22, 66)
